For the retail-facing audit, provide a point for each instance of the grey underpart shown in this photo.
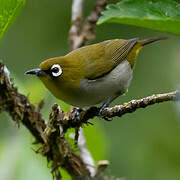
(93, 92)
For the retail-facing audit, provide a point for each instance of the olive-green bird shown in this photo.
(93, 74)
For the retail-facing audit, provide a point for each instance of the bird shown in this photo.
(94, 74)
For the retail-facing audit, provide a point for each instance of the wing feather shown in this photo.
(104, 57)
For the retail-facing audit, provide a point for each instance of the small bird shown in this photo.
(93, 74)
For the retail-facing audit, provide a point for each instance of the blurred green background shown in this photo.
(144, 145)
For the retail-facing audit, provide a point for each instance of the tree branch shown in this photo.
(129, 107)
(133, 105)
(74, 33)
(85, 154)
(51, 135)
(88, 29)
(18, 106)
(80, 33)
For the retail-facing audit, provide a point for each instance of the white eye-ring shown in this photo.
(56, 70)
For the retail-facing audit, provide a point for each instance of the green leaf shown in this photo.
(162, 15)
(9, 9)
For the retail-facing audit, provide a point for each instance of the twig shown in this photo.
(80, 33)
(101, 167)
(133, 105)
(88, 29)
(74, 33)
(129, 107)
(85, 154)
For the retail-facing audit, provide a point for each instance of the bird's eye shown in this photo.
(56, 70)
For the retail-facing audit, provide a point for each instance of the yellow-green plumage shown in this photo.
(85, 69)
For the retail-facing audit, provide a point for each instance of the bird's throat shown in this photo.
(131, 58)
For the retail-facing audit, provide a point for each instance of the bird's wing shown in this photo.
(103, 57)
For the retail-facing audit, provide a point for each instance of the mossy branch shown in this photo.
(51, 135)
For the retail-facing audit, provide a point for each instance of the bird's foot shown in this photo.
(76, 119)
(101, 114)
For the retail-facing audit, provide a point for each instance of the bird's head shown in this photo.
(58, 74)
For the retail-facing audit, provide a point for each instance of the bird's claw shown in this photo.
(102, 116)
(77, 118)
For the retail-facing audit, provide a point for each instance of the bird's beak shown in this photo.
(37, 72)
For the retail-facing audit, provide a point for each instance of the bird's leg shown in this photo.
(105, 105)
(108, 102)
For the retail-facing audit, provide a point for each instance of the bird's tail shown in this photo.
(151, 40)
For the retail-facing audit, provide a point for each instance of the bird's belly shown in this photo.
(96, 91)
